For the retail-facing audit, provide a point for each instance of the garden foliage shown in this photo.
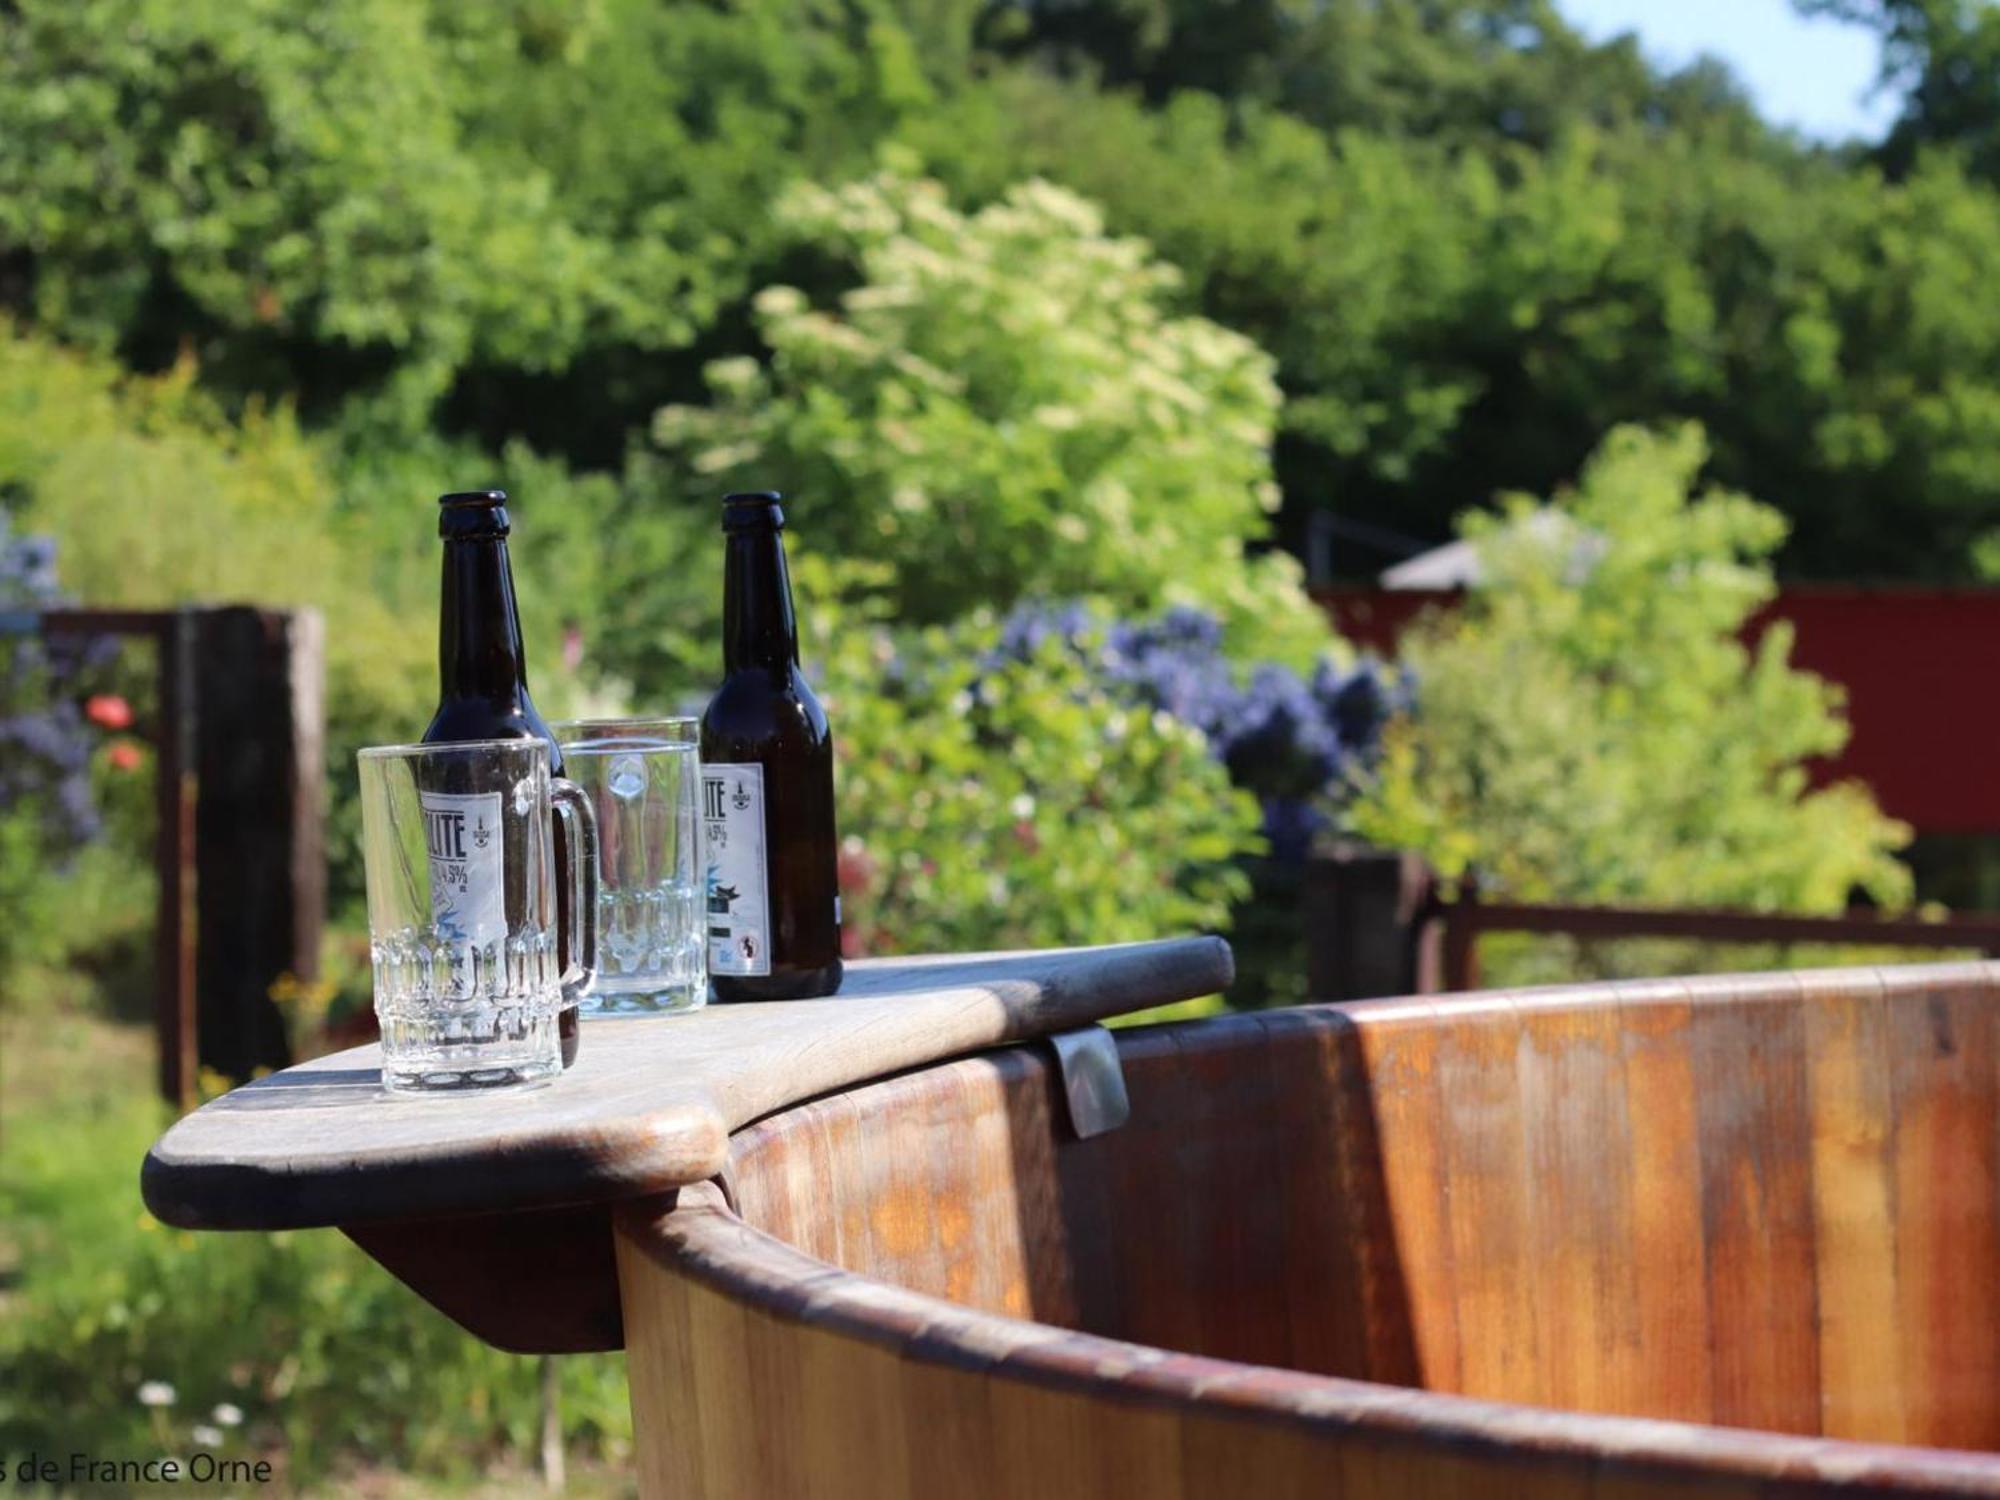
(155, 497)
(1004, 404)
(1472, 240)
(124, 1336)
(377, 203)
(1594, 727)
(1298, 742)
(1016, 798)
(53, 762)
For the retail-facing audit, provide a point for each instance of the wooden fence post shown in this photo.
(173, 854)
(1363, 911)
(260, 856)
(1461, 939)
(1446, 941)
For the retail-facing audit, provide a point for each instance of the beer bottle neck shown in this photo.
(479, 628)
(758, 626)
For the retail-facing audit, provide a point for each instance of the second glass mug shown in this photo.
(460, 859)
(641, 777)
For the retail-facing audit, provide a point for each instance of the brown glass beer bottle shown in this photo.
(767, 783)
(482, 668)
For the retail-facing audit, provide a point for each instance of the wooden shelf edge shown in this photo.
(650, 1106)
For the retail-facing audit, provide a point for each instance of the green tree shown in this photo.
(1004, 405)
(1593, 728)
(1473, 240)
(1448, 323)
(399, 200)
(1942, 57)
(1478, 72)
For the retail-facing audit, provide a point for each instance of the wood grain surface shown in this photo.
(759, 1373)
(649, 1104)
(1730, 1236)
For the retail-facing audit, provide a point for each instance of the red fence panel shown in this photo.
(1918, 666)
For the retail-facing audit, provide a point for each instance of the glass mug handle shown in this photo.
(572, 805)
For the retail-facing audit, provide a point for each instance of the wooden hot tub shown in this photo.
(1728, 1236)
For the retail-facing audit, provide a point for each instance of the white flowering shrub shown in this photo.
(1005, 403)
(1002, 405)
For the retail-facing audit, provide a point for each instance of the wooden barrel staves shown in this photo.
(1728, 1237)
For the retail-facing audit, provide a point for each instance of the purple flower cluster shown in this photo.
(45, 740)
(1294, 742)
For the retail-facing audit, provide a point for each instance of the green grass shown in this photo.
(346, 1382)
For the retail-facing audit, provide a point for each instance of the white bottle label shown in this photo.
(739, 913)
(468, 866)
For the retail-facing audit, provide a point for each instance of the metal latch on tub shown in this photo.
(1093, 1080)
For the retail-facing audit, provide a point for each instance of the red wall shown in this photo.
(1918, 667)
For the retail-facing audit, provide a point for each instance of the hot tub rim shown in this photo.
(694, 1233)
(716, 1247)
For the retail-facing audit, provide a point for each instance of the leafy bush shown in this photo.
(1449, 322)
(1005, 405)
(1472, 239)
(71, 899)
(1492, 73)
(1009, 801)
(1297, 743)
(46, 739)
(1593, 728)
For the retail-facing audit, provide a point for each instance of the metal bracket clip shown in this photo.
(1093, 1080)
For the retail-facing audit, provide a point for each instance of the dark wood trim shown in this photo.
(529, 1283)
(1463, 921)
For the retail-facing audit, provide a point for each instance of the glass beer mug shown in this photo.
(462, 881)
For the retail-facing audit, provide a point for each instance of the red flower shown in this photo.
(855, 870)
(108, 711)
(125, 756)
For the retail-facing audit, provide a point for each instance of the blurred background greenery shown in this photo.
(1060, 323)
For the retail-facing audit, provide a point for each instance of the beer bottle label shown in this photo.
(468, 866)
(739, 916)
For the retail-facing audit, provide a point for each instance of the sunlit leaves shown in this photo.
(1006, 402)
(1593, 727)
